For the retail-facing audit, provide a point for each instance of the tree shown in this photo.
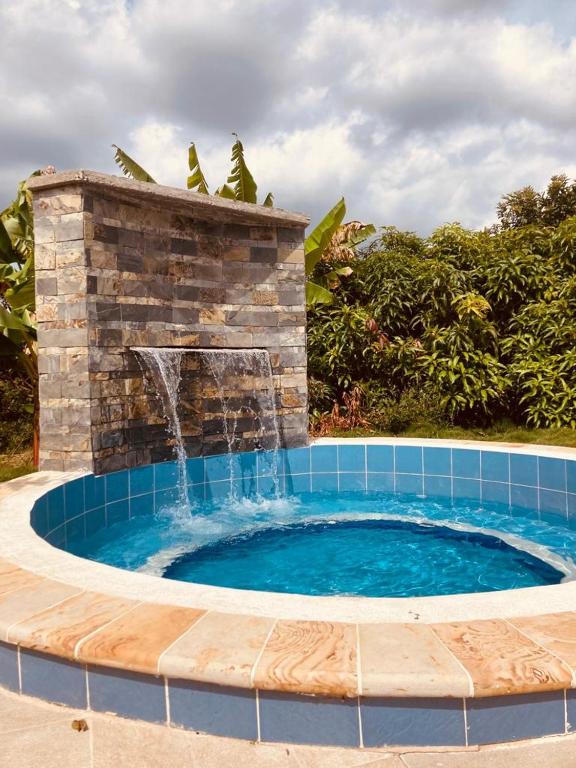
(526, 207)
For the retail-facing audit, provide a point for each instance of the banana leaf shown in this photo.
(130, 167)
(196, 180)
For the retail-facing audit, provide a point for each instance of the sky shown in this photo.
(419, 112)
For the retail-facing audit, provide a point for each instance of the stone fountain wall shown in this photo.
(123, 264)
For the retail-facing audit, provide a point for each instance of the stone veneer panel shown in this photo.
(123, 264)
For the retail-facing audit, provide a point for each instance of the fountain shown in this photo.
(164, 364)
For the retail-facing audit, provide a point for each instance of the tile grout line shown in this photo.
(167, 702)
(19, 665)
(173, 643)
(261, 653)
(360, 689)
(87, 637)
(543, 647)
(258, 728)
(457, 660)
(465, 722)
(47, 608)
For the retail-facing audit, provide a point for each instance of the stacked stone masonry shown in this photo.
(123, 264)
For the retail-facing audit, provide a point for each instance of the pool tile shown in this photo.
(75, 531)
(247, 468)
(141, 480)
(95, 520)
(553, 506)
(380, 481)
(37, 596)
(167, 498)
(297, 461)
(571, 476)
(396, 658)
(494, 492)
(298, 483)
(413, 722)
(9, 667)
(128, 694)
(165, 475)
(316, 657)
(495, 466)
(380, 458)
(57, 537)
(324, 458)
(523, 469)
(514, 718)
(74, 498)
(221, 649)
(117, 486)
(195, 471)
(268, 485)
(117, 512)
(308, 720)
(142, 505)
(94, 491)
(120, 642)
(571, 711)
(438, 486)
(554, 631)
(39, 516)
(499, 658)
(325, 481)
(56, 508)
(464, 489)
(52, 679)
(438, 461)
(351, 458)
(524, 497)
(219, 710)
(269, 464)
(466, 463)
(59, 629)
(552, 473)
(409, 484)
(217, 468)
(408, 459)
(352, 481)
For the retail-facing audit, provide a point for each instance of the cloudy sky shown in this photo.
(418, 111)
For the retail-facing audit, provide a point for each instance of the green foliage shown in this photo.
(196, 180)
(16, 408)
(130, 167)
(550, 208)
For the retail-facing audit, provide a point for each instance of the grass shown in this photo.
(15, 465)
(499, 433)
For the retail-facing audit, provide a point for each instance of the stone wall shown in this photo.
(123, 264)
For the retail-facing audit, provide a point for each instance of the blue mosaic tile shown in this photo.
(523, 469)
(165, 475)
(142, 505)
(298, 483)
(512, 718)
(552, 473)
(352, 481)
(117, 486)
(308, 719)
(571, 476)
(438, 461)
(413, 722)
(117, 512)
(214, 709)
(141, 480)
(56, 507)
(495, 492)
(325, 481)
(297, 461)
(95, 520)
(129, 694)
(351, 458)
(324, 458)
(380, 458)
(524, 497)
(216, 468)
(75, 530)
(195, 471)
(380, 481)
(39, 516)
(9, 667)
(52, 679)
(466, 463)
(74, 497)
(408, 459)
(437, 486)
(463, 488)
(553, 505)
(94, 491)
(410, 484)
(495, 466)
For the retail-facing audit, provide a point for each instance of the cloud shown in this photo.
(418, 112)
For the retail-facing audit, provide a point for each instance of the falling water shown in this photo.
(236, 363)
(164, 365)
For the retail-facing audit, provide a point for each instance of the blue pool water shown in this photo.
(348, 543)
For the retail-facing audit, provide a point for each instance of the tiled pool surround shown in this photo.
(358, 672)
